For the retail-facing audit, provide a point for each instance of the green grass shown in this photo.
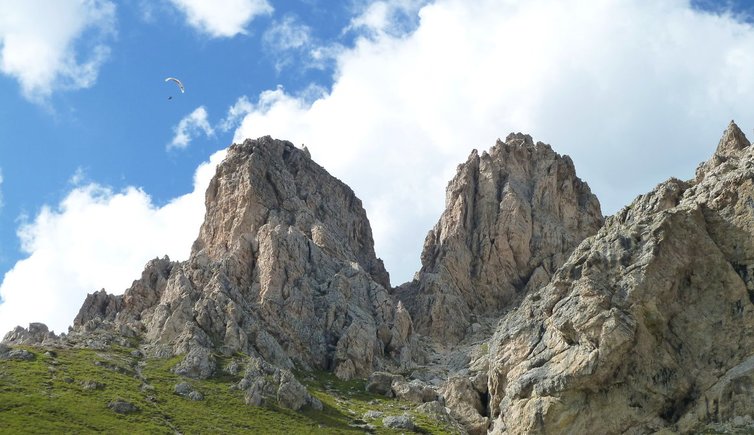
(47, 395)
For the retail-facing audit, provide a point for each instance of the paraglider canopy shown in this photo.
(178, 82)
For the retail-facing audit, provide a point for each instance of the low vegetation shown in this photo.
(69, 390)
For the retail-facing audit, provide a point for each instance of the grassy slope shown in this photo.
(47, 395)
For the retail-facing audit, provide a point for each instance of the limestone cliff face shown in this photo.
(649, 325)
(283, 269)
(642, 323)
(512, 217)
(265, 184)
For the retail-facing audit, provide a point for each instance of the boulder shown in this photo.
(382, 383)
(413, 391)
(121, 406)
(398, 422)
(465, 404)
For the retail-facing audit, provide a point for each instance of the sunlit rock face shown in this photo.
(531, 314)
(512, 217)
(284, 269)
(649, 325)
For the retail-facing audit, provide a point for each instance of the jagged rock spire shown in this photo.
(512, 216)
(651, 321)
(283, 269)
(733, 140)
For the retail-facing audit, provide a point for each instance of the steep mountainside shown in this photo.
(512, 217)
(640, 323)
(284, 269)
(649, 325)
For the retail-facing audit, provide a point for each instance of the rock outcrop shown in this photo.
(265, 382)
(512, 217)
(649, 325)
(640, 323)
(36, 334)
(283, 269)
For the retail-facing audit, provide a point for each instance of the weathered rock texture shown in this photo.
(649, 325)
(35, 334)
(644, 324)
(512, 217)
(265, 382)
(283, 269)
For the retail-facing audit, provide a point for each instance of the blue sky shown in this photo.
(115, 131)
(388, 95)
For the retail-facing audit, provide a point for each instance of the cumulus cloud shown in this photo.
(236, 113)
(53, 45)
(634, 91)
(222, 18)
(189, 127)
(96, 238)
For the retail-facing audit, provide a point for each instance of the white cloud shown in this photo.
(634, 91)
(236, 113)
(192, 124)
(96, 238)
(288, 42)
(222, 18)
(52, 45)
(78, 177)
(387, 17)
(287, 34)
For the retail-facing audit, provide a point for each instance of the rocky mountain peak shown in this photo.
(648, 322)
(646, 317)
(519, 138)
(268, 181)
(513, 214)
(731, 145)
(283, 270)
(732, 141)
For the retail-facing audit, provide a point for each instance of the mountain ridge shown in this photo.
(532, 313)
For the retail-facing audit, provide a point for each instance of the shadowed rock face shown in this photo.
(650, 322)
(512, 217)
(283, 268)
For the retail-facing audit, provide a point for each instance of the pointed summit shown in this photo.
(733, 140)
(731, 143)
(513, 215)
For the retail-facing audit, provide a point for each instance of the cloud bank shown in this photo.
(189, 127)
(54, 45)
(222, 18)
(96, 238)
(634, 91)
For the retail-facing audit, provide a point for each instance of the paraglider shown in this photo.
(177, 82)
